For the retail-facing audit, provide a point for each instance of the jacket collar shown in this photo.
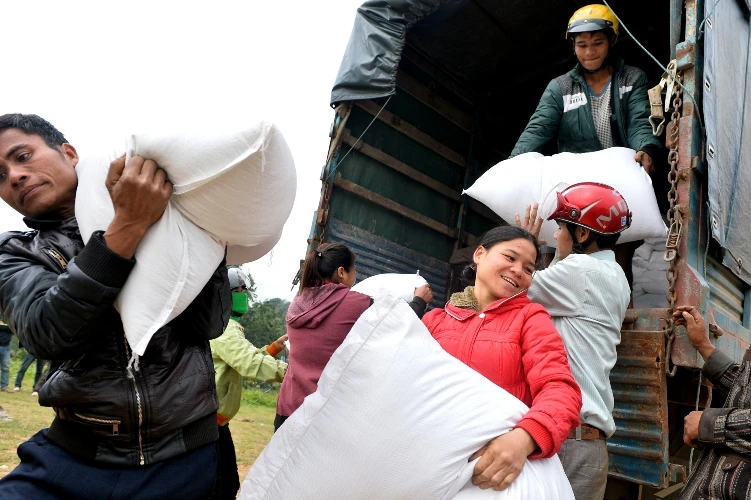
(462, 314)
(47, 224)
(606, 255)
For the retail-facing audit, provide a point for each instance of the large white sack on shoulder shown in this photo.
(174, 260)
(509, 185)
(237, 254)
(402, 429)
(401, 285)
(239, 186)
(616, 168)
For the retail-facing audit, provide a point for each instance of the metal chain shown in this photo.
(676, 224)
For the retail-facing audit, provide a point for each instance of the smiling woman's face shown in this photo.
(506, 268)
(35, 179)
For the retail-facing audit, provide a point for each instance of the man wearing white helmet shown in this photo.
(234, 358)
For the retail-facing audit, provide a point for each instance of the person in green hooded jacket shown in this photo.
(599, 104)
(234, 358)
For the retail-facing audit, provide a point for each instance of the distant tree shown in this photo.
(280, 305)
(265, 321)
(252, 292)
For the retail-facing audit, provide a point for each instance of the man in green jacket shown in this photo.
(600, 103)
(234, 358)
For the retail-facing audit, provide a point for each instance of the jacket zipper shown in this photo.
(115, 423)
(59, 259)
(138, 404)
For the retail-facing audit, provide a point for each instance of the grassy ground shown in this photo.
(251, 428)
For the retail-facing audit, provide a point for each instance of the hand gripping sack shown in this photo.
(232, 191)
(508, 187)
(395, 417)
(401, 285)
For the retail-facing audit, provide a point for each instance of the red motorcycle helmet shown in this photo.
(597, 207)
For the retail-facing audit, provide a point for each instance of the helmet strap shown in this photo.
(581, 248)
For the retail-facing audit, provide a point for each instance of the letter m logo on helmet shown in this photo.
(597, 207)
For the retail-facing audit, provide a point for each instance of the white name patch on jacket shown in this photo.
(573, 101)
(623, 90)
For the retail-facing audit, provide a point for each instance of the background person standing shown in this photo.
(28, 359)
(6, 334)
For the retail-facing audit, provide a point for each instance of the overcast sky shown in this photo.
(100, 70)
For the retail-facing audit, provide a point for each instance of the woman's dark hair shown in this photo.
(499, 235)
(321, 264)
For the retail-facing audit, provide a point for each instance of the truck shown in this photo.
(432, 93)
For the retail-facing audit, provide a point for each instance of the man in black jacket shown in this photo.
(145, 432)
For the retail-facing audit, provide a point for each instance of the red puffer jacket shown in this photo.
(515, 345)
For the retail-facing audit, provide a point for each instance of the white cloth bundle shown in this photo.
(401, 285)
(650, 274)
(232, 190)
(508, 187)
(395, 417)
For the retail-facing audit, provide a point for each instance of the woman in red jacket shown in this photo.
(495, 329)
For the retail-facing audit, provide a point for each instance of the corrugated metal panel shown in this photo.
(377, 255)
(639, 448)
(727, 291)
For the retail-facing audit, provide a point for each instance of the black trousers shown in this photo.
(229, 480)
(48, 472)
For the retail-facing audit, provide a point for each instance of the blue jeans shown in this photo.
(4, 366)
(27, 360)
(48, 472)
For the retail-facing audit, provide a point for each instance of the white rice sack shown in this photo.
(649, 301)
(508, 187)
(402, 429)
(649, 268)
(238, 186)
(232, 191)
(401, 285)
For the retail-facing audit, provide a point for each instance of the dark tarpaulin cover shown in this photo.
(727, 110)
(370, 62)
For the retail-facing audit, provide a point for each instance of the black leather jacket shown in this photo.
(56, 294)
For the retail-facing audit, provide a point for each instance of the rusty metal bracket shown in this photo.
(677, 473)
(685, 55)
(674, 237)
(666, 86)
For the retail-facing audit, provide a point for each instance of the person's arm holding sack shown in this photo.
(638, 128)
(56, 316)
(555, 408)
(249, 361)
(544, 123)
(551, 287)
(423, 297)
